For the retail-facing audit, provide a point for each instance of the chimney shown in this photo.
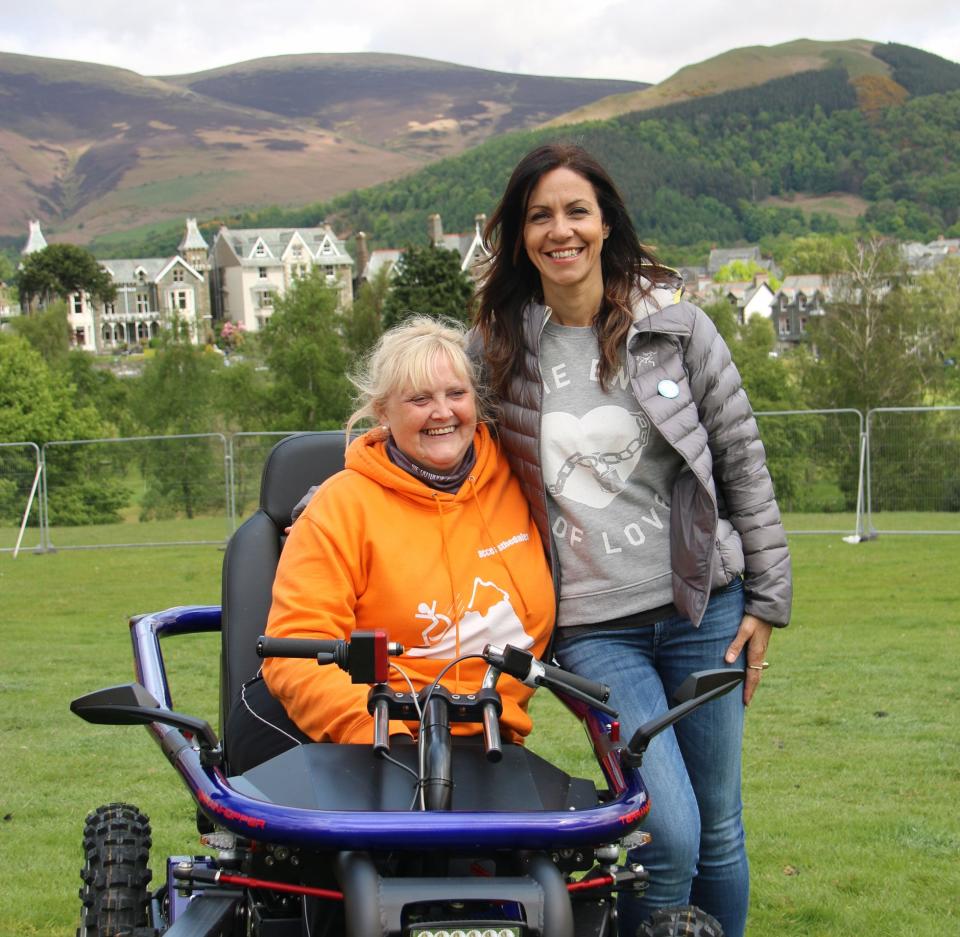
(363, 253)
(435, 230)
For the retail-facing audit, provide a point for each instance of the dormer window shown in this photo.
(260, 250)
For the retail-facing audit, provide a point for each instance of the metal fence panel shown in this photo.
(815, 460)
(21, 525)
(914, 470)
(140, 491)
(248, 453)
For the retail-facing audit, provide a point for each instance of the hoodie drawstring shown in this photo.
(457, 615)
(486, 530)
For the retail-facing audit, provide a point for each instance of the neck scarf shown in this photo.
(449, 482)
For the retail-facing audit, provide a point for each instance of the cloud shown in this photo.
(605, 39)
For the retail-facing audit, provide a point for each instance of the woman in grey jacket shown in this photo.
(626, 422)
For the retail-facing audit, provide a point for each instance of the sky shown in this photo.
(636, 40)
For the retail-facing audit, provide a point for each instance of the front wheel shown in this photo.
(680, 922)
(116, 846)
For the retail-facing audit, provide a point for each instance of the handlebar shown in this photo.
(364, 656)
(532, 672)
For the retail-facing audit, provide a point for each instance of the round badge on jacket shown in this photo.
(668, 389)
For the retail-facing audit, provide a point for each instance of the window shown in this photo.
(109, 309)
(265, 300)
(299, 271)
(330, 271)
(260, 250)
(178, 274)
(262, 273)
(179, 299)
(783, 324)
(143, 302)
(79, 336)
(77, 304)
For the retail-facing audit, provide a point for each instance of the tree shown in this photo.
(873, 343)
(48, 332)
(59, 270)
(363, 321)
(304, 350)
(935, 297)
(737, 271)
(175, 397)
(40, 405)
(428, 281)
(816, 253)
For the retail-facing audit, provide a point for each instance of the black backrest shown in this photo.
(293, 466)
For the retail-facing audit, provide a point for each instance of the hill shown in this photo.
(801, 153)
(749, 67)
(90, 149)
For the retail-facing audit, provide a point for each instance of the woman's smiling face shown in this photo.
(434, 425)
(563, 232)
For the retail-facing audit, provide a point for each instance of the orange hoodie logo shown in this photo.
(489, 618)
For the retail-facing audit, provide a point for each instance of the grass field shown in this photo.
(852, 758)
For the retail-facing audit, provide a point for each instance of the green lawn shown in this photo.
(852, 760)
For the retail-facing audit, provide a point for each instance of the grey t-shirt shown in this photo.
(608, 474)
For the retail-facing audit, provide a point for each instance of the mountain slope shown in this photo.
(399, 101)
(90, 149)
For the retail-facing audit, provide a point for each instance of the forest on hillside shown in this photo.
(700, 173)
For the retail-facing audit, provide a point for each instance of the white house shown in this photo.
(249, 267)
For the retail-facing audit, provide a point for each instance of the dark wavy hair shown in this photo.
(511, 280)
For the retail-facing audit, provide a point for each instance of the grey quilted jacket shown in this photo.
(724, 520)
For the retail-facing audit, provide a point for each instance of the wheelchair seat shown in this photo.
(250, 563)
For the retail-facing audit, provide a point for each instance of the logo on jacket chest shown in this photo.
(589, 459)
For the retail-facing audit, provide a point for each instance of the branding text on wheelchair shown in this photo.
(450, 836)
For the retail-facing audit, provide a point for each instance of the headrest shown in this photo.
(294, 465)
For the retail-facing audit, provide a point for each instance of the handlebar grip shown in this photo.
(563, 678)
(491, 733)
(381, 727)
(308, 648)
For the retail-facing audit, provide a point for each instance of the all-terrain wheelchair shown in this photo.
(465, 837)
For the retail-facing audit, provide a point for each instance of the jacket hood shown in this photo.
(367, 455)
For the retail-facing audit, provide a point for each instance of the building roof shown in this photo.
(721, 256)
(806, 283)
(192, 238)
(35, 239)
(126, 270)
(380, 258)
(273, 244)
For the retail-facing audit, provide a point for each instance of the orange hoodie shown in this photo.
(443, 574)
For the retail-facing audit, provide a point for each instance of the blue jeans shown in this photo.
(692, 771)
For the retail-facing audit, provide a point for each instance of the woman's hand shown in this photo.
(754, 633)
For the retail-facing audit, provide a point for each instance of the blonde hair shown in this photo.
(404, 359)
